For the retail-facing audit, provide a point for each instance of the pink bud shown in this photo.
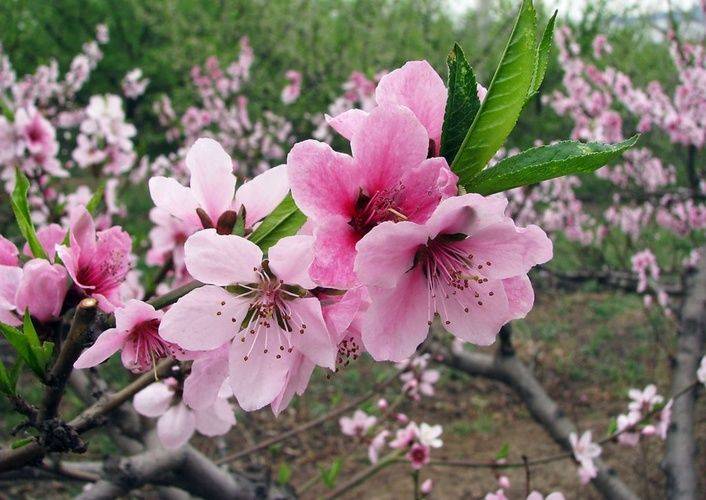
(504, 482)
(402, 418)
(382, 404)
(427, 486)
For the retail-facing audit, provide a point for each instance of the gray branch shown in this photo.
(678, 463)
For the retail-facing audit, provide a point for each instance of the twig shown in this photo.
(170, 298)
(311, 424)
(70, 351)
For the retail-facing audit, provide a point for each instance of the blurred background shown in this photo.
(588, 339)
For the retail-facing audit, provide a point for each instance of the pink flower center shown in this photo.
(452, 275)
(103, 274)
(270, 314)
(371, 211)
(148, 346)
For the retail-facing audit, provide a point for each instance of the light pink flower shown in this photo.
(428, 435)
(41, 290)
(357, 425)
(536, 495)
(665, 418)
(10, 277)
(405, 437)
(212, 189)
(585, 451)
(426, 487)
(628, 437)
(177, 422)
(264, 309)
(468, 263)
(416, 86)
(49, 237)
(136, 335)
(376, 445)
(97, 262)
(498, 495)
(388, 178)
(291, 91)
(643, 401)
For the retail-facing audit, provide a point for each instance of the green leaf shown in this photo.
(21, 442)
(95, 200)
(29, 331)
(542, 60)
(285, 220)
(612, 427)
(330, 476)
(504, 101)
(20, 207)
(6, 386)
(547, 162)
(284, 474)
(461, 105)
(503, 452)
(19, 341)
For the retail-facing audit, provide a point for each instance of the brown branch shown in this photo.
(88, 419)
(678, 463)
(70, 351)
(377, 388)
(512, 372)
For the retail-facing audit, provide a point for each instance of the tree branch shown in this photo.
(678, 463)
(70, 351)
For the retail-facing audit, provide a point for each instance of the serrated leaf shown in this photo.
(461, 105)
(284, 474)
(504, 101)
(20, 207)
(542, 59)
(285, 220)
(547, 162)
(503, 452)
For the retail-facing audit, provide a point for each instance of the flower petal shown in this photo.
(297, 381)
(417, 86)
(390, 141)
(212, 180)
(207, 375)
(154, 400)
(323, 181)
(486, 312)
(167, 194)
(422, 190)
(348, 122)
(216, 420)
(176, 426)
(108, 343)
(520, 295)
(290, 259)
(334, 253)
(397, 320)
(387, 252)
(261, 195)
(194, 322)
(221, 259)
(315, 343)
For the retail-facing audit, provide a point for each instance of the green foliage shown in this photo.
(284, 474)
(31, 350)
(503, 452)
(329, 475)
(504, 101)
(542, 60)
(8, 378)
(20, 207)
(547, 162)
(462, 104)
(285, 220)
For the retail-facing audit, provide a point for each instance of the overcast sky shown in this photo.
(574, 7)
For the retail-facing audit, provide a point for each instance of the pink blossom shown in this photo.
(498, 495)
(10, 277)
(536, 495)
(377, 443)
(585, 451)
(49, 237)
(627, 425)
(665, 416)
(418, 455)
(357, 425)
(96, 261)
(176, 421)
(264, 310)
(9, 256)
(133, 84)
(643, 401)
(417, 87)
(388, 178)
(405, 437)
(135, 334)
(41, 290)
(426, 487)
(701, 372)
(291, 92)
(467, 263)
